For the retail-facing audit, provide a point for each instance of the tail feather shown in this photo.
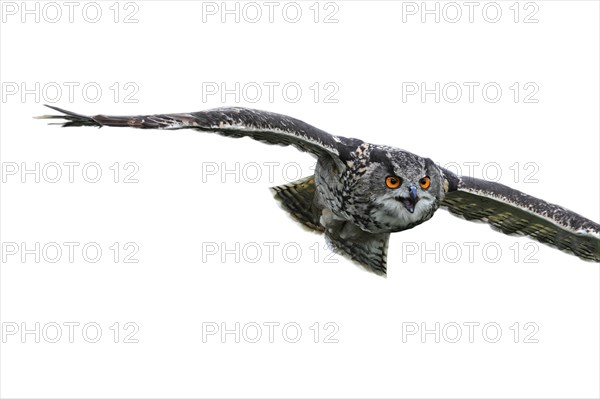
(368, 249)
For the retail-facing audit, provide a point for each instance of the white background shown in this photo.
(172, 210)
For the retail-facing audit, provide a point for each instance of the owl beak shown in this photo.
(412, 192)
(412, 199)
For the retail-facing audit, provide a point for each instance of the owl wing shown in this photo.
(263, 126)
(516, 213)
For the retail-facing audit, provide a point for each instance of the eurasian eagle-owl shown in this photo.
(362, 192)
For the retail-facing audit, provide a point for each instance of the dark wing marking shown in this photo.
(513, 212)
(299, 198)
(233, 122)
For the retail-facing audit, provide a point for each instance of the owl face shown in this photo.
(399, 190)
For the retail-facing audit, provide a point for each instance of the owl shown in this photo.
(361, 192)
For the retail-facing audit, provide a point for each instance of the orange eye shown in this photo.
(393, 181)
(425, 182)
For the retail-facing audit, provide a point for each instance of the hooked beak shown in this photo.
(412, 199)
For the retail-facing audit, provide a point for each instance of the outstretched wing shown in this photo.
(516, 213)
(233, 122)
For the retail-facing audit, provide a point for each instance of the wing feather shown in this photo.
(515, 213)
(235, 122)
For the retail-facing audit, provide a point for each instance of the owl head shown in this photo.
(399, 190)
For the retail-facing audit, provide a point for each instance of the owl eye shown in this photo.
(425, 182)
(393, 181)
